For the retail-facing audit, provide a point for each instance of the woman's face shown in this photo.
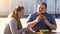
(21, 13)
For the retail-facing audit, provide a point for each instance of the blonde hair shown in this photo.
(14, 13)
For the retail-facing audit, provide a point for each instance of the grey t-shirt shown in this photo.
(11, 27)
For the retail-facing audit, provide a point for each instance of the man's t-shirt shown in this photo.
(41, 25)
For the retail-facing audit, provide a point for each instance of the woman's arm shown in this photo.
(13, 27)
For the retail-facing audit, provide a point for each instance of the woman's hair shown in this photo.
(43, 3)
(14, 13)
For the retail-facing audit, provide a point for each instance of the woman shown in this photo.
(14, 26)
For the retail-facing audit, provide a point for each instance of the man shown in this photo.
(41, 20)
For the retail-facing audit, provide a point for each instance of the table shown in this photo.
(30, 32)
(47, 33)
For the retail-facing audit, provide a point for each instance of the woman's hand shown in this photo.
(26, 29)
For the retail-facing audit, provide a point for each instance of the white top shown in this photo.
(11, 28)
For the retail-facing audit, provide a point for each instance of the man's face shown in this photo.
(41, 8)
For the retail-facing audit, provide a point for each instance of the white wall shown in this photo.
(51, 6)
(6, 6)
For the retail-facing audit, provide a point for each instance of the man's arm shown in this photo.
(52, 26)
(33, 23)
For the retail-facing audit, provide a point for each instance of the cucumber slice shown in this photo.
(44, 30)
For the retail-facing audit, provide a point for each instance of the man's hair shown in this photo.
(43, 3)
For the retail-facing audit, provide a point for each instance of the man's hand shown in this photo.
(44, 17)
(53, 27)
(46, 21)
(33, 23)
(38, 18)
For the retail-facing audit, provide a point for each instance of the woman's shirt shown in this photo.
(11, 27)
